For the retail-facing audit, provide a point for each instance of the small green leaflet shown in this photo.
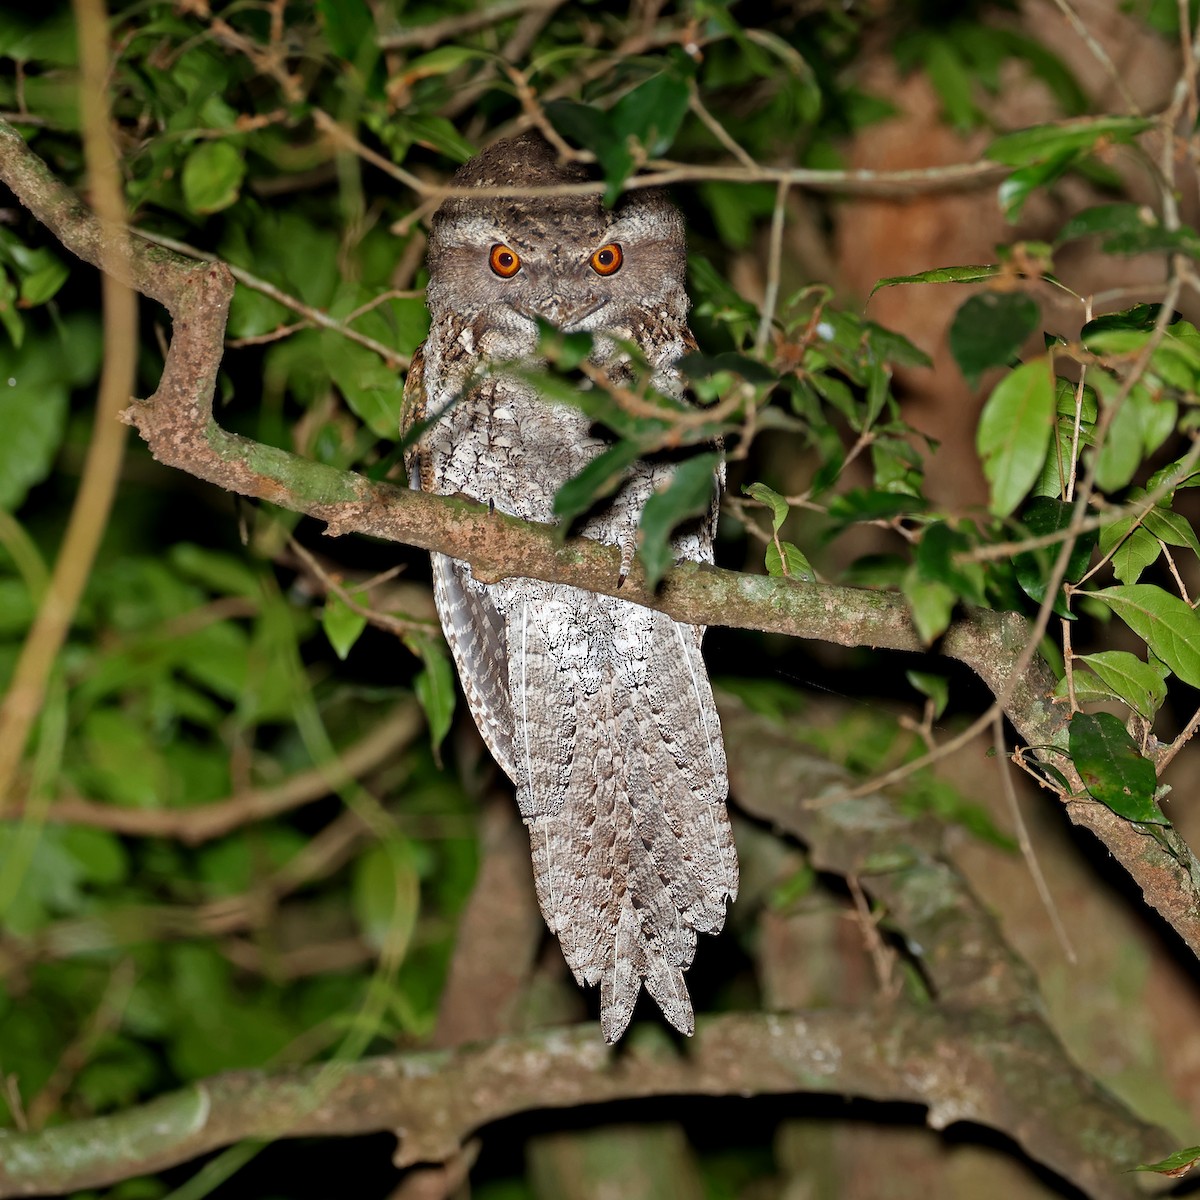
(1121, 451)
(342, 625)
(386, 896)
(933, 687)
(1171, 528)
(689, 494)
(1022, 183)
(1112, 769)
(989, 329)
(212, 177)
(932, 604)
(772, 499)
(1136, 683)
(969, 274)
(434, 687)
(1175, 1166)
(782, 558)
(787, 560)
(1135, 548)
(1051, 141)
(1042, 515)
(1164, 622)
(1014, 433)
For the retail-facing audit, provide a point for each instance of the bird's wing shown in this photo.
(473, 627)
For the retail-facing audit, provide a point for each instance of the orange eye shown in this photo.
(608, 259)
(505, 262)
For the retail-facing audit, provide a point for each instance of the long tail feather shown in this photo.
(632, 849)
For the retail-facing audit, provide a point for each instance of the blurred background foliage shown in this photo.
(226, 654)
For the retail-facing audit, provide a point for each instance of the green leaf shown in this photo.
(17, 608)
(212, 176)
(1135, 682)
(1023, 182)
(1014, 433)
(1174, 1165)
(966, 274)
(1135, 553)
(33, 413)
(1176, 474)
(1041, 142)
(342, 625)
(653, 111)
(935, 557)
(773, 500)
(124, 764)
(1164, 622)
(1141, 317)
(581, 123)
(435, 691)
(386, 896)
(1129, 229)
(438, 133)
(1105, 219)
(990, 328)
(348, 26)
(14, 326)
(441, 61)
(736, 208)
(1120, 454)
(1112, 769)
(953, 80)
(1171, 528)
(689, 494)
(43, 283)
(373, 390)
(933, 687)
(932, 605)
(787, 560)
(1048, 515)
(601, 477)
(859, 504)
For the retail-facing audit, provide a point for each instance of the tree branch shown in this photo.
(964, 1067)
(203, 822)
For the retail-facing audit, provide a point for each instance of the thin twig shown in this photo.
(1027, 851)
(106, 449)
(77, 1053)
(717, 129)
(208, 821)
(425, 37)
(396, 625)
(313, 316)
(883, 957)
(1189, 731)
(774, 269)
(1099, 53)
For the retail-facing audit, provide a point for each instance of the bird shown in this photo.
(599, 710)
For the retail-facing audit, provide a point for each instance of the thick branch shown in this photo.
(1004, 1075)
(178, 425)
(898, 859)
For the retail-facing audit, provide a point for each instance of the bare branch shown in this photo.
(425, 37)
(202, 823)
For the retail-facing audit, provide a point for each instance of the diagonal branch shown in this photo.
(177, 424)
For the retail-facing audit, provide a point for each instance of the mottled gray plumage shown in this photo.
(599, 710)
